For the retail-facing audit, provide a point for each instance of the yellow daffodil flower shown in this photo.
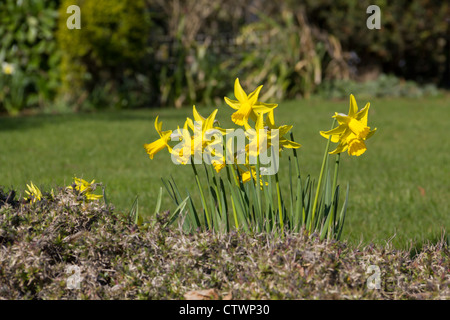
(272, 132)
(218, 165)
(34, 193)
(282, 130)
(246, 175)
(199, 142)
(85, 188)
(352, 130)
(247, 106)
(161, 143)
(202, 141)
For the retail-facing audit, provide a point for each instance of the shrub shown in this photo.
(28, 43)
(288, 54)
(410, 43)
(105, 60)
(384, 86)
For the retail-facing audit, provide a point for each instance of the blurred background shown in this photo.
(158, 53)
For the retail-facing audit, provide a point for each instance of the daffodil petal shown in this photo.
(197, 116)
(232, 103)
(342, 146)
(261, 107)
(253, 97)
(285, 143)
(334, 133)
(158, 126)
(239, 93)
(370, 133)
(363, 114)
(209, 122)
(353, 106)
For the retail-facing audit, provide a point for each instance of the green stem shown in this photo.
(230, 167)
(280, 208)
(333, 191)
(336, 170)
(258, 187)
(202, 196)
(319, 184)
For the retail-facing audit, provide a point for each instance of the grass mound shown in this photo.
(41, 243)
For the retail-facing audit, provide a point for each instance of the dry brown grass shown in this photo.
(119, 260)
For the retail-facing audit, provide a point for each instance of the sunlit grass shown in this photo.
(400, 186)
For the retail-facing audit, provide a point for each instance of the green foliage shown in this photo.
(196, 75)
(411, 41)
(28, 43)
(258, 206)
(285, 53)
(383, 86)
(104, 62)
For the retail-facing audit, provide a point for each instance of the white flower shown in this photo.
(7, 68)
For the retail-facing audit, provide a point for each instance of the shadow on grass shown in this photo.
(26, 122)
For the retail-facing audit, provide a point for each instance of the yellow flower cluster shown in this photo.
(81, 186)
(352, 131)
(85, 188)
(202, 135)
(33, 192)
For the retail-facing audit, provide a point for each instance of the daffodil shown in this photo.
(85, 188)
(282, 130)
(247, 106)
(200, 139)
(267, 131)
(218, 165)
(161, 143)
(200, 142)
(33, 192)
(7, 68)
(352, 130)
(246, 175)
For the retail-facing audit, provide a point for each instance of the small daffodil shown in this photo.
(352, 131)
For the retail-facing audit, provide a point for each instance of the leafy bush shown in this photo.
(383, 86)
(28, 43)
(289, 55)
(194, 52)
(104, 63)
(411, 42)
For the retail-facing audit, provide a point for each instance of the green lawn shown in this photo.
(400, 186)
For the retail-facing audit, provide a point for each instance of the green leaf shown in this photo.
(177, 211)
(343, 213)
(158, 201)
(238, 206)
(133, 215)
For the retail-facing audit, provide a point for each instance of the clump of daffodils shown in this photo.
(85, 189)
(33, 192)
(202, 140)
(352, 131)
(249, 196)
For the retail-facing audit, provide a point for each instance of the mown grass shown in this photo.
(398, 187)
